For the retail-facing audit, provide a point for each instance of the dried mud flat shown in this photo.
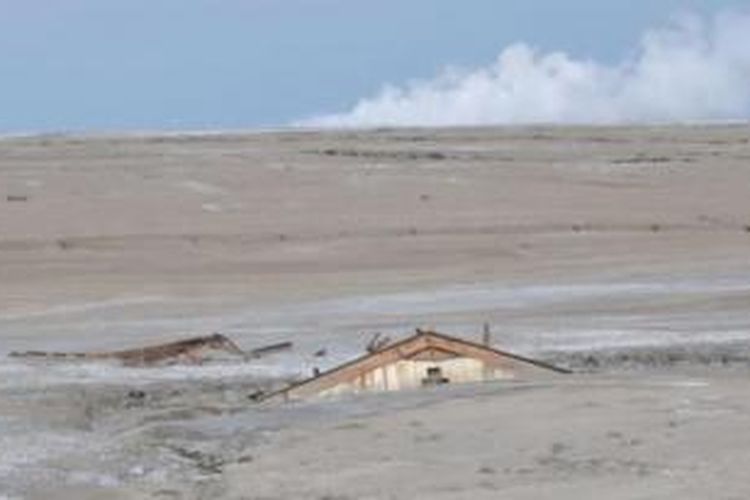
(620, 252)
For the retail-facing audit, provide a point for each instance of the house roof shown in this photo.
(409, 348)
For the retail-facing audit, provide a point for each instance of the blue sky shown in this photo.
(89, 65)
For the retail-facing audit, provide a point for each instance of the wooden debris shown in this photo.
(192, 350)
(270, 349)
(378, 342)
(486, 335)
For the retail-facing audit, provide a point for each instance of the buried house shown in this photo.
(424, 359)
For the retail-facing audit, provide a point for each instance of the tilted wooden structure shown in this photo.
(426, 358)
(191, 350)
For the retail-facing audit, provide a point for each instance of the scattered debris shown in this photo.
(641, 158)
(135, 398)
(270, 349)
(385, 154)
(137, 394)
(257, 395)
(192, 350)
(207, 463)
(657, 357)
(378, 342)
(486, 335)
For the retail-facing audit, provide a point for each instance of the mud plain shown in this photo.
(620, 252)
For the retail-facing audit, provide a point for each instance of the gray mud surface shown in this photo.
(619, 252)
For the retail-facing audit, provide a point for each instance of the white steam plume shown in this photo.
(691, 70)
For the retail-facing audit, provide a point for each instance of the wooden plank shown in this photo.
(270, 349)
